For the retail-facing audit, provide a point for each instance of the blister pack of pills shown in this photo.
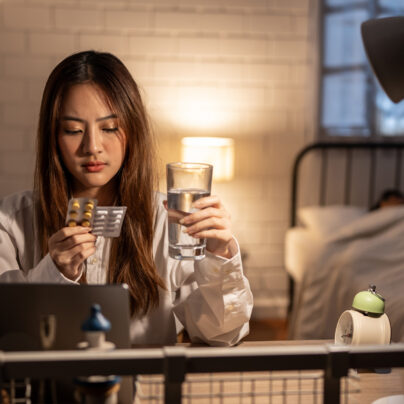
(108, 221)
(81, 212)
(104, 220)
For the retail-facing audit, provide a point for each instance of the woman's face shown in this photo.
(90, 140)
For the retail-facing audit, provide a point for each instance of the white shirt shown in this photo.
(211, 298)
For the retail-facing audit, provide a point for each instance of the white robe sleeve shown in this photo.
(45, 272)
(219, 302)
(14, 264)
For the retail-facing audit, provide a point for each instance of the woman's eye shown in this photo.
(110, 129)
(72, 131)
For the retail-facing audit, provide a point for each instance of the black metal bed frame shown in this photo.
(347, 147)
(323, 149)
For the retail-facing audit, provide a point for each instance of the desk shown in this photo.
(256, 358)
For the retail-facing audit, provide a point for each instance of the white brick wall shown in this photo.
(12, 43)
(86, 19)
(21, 16)
(55, 43)
(243, 63)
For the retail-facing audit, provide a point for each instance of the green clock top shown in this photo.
(369, 302)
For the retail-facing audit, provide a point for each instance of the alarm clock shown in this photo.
(366, 323)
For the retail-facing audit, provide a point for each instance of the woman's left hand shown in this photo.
(211, 221)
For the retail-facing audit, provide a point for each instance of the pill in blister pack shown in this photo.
(108, 220)
(104, 220)
(81, 212)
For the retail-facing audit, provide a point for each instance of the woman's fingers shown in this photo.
(75, 240)
(67, 232)
(73, 268)
(204, 214)
(209, 223)
(175, 215)
(76, 253)
(223, 236)
(212, 222)
(211, 200)
(70, 247)
(67, 237)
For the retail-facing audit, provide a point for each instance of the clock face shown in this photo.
(355, 328)
(345, 329)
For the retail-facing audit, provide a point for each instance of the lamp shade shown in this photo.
(383, 39)
(217, 151)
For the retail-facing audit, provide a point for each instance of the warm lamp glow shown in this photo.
(200, 108)
(217, 151)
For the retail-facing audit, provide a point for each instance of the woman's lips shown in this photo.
(94, 167)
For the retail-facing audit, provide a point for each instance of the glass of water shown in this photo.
(186, 182)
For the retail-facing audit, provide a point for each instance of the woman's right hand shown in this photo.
(69, 248)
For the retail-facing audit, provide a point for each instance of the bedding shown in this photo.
(366, 249)
(318, 223)
(301, 244)
(325, 220)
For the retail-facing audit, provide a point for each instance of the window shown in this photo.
(351, 101)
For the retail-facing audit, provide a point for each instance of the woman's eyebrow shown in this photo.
(112, 116)
(74, 118)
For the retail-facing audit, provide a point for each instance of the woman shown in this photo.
(94, 141)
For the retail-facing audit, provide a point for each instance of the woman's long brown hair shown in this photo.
(131, 258)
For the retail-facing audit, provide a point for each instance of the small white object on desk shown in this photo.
(95, 328)
(97, 389)
(366, 323)
(397, 399)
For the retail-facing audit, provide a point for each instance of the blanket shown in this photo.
(369, 250)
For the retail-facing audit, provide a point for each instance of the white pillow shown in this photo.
(325, 220)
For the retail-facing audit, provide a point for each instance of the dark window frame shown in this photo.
(370, 132)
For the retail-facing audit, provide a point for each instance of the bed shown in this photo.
(337, 244)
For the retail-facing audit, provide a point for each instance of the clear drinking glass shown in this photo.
(186, 182)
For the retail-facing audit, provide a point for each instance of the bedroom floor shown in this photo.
(268, 330)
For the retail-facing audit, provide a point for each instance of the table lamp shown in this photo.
(383, 39)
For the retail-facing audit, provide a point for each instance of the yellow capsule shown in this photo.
(73, 214)
(89, 205)
(72, 223)
(87, 214)
(75, 204)
(85, 223)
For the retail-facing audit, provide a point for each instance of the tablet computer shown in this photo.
(50, 316)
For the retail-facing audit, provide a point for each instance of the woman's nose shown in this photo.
(92, 142)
